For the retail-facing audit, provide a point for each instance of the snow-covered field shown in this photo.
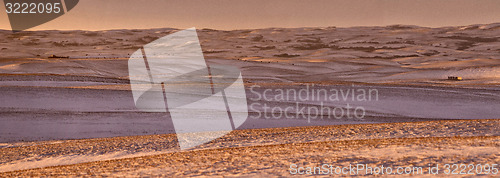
(48, 102)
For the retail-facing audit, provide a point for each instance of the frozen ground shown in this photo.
(82, 109)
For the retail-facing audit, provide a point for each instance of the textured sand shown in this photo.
(263, 151)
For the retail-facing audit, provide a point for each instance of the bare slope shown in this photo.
(391, 54)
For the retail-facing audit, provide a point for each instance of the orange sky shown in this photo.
(243, 14)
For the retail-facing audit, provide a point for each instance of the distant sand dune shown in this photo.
(392, 54)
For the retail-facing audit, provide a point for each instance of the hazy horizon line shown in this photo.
(205, 28)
